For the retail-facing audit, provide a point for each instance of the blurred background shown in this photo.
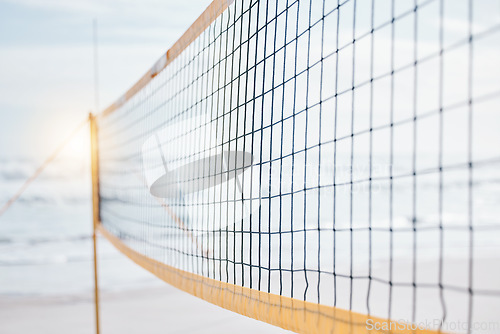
(46, 90)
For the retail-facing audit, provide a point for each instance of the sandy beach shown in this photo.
(148, 310)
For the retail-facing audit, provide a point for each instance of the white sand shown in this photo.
(153, 310)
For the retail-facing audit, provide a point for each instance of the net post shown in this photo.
(95, 208)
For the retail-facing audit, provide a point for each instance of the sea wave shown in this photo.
(65, 182)
(17, 169)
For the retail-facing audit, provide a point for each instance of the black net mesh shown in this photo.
(340, 152)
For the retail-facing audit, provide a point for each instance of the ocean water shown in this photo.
(46, 245)
(45, 237)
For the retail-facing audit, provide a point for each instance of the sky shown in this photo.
(46, 62)
(46, 58)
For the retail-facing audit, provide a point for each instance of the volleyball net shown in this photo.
(323, 166)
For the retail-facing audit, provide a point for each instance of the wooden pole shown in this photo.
(95, 209)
